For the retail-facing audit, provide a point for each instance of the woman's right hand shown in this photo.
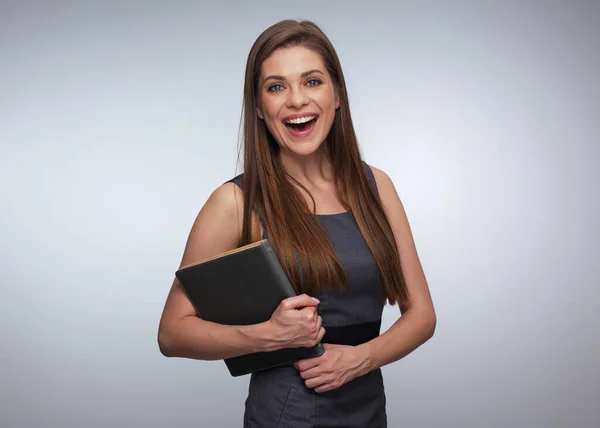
(294, 327)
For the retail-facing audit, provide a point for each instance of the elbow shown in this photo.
(425, 321)
(165, 344)
(430, 324)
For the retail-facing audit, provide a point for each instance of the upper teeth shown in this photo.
(300, 120)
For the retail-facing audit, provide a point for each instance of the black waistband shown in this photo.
(353, 334)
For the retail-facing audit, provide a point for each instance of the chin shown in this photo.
(303, 148)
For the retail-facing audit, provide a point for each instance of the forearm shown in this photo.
(408, 333)
(192, 337)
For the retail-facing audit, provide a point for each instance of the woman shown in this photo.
(339, 230)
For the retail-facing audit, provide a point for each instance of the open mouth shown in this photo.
(302, 124)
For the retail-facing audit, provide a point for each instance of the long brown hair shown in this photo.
(268, 191)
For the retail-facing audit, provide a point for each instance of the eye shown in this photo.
(314, 82)
(275, 88)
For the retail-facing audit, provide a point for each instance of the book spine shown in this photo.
(278, 270)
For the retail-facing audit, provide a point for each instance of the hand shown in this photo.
(338, 365)
(294, 327)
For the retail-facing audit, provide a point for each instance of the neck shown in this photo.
(309, 169)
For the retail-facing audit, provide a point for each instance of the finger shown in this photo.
(319, 333)
(308, 314)
(299, 301)
(320, 337)
(325, 387)
(307, 363)
(315, 382)
(319, 324)
(311, 373)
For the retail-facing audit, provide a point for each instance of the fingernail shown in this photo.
(316, 300)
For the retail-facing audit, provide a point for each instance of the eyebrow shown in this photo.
(303, 75)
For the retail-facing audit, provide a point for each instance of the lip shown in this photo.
(302, 134)
(297, 115)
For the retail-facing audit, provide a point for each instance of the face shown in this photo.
(297, 99)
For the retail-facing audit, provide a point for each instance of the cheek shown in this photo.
(328, 102)
(328, 105)
(270, 107)
(271, 121)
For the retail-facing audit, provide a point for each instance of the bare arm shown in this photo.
(181, 332)
(418, 320)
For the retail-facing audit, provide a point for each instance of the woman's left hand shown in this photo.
(338, 365)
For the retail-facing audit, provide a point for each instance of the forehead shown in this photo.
(290, 62)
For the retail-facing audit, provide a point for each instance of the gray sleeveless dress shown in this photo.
(278, 397)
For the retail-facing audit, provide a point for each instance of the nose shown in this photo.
(296, 98)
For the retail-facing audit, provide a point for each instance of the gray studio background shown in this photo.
(117, 120)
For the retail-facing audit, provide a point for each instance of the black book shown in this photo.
(241, 287)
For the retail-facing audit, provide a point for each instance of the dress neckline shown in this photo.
(332, 215)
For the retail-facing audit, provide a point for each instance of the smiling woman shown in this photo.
(339, 230)
(294, 88)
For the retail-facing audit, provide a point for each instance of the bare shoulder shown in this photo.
(217, 227)
(385, 186)
(215, 230)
